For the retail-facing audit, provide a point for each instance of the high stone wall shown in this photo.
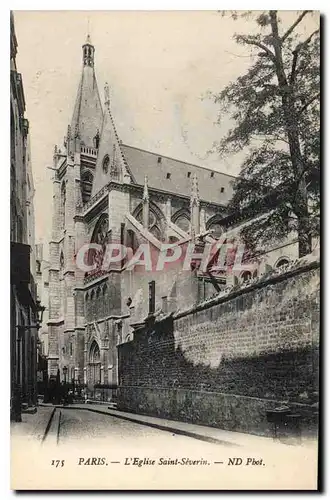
(226, 361)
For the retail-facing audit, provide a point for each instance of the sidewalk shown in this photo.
(33, 426)
(201, 432)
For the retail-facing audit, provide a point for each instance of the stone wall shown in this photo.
(227, 360)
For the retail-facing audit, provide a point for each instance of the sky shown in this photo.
(159, 66)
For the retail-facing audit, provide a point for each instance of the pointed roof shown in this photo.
(110, 163)
(87, 114)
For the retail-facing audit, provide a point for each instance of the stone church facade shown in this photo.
(106, 191)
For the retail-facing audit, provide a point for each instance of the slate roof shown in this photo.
(169, 174)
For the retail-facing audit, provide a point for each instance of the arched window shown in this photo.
(96, 139)
(182, 219)
(246, 276)
(94, 364)
(183, 222)
(100, 236)
(105, 164)
(61, 266)
(94, 353)
(62, 205)
(155, 220)
(216, 229)
(86, 185)
(214, 224)
(282, 262)
(101, 230)
(131, 240)
(38, 266)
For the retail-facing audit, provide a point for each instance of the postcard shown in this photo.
(165, 237)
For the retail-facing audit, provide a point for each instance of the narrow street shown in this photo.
(78, 428)
(82, 449)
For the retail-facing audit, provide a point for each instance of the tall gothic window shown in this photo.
(183, 222)
(95, 363)
(86, 185)
(154, 226)
(62, 284)
(131, 240)
(62, 205)
(100, 236)
(214, 223)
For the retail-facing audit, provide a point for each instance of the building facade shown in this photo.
(106, 191)
(23, 285)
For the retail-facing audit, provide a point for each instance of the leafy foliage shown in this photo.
(275, 109)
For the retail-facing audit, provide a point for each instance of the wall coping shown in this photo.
(300, 266)
(303, 405)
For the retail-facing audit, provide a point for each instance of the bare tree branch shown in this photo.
(270, 136)
(297, 21)
(256, 43)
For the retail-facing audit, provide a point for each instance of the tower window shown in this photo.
(212, 174)
(105, 164)
(159, 160)
(222, 189)
(188, 174)
(168, 175)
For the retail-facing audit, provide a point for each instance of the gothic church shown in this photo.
(108, 191)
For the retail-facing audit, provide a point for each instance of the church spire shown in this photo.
(88, 52)
(87, 115)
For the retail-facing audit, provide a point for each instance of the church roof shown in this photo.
(87, 114)
(175, 176)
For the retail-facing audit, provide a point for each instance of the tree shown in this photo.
(275, 109)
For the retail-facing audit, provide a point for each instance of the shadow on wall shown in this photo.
(157, 379)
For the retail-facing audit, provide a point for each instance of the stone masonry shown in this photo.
(226, 361)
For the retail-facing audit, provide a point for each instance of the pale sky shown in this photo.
(158, 65)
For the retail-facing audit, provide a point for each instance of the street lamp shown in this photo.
(65, 371)
(40, 313)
